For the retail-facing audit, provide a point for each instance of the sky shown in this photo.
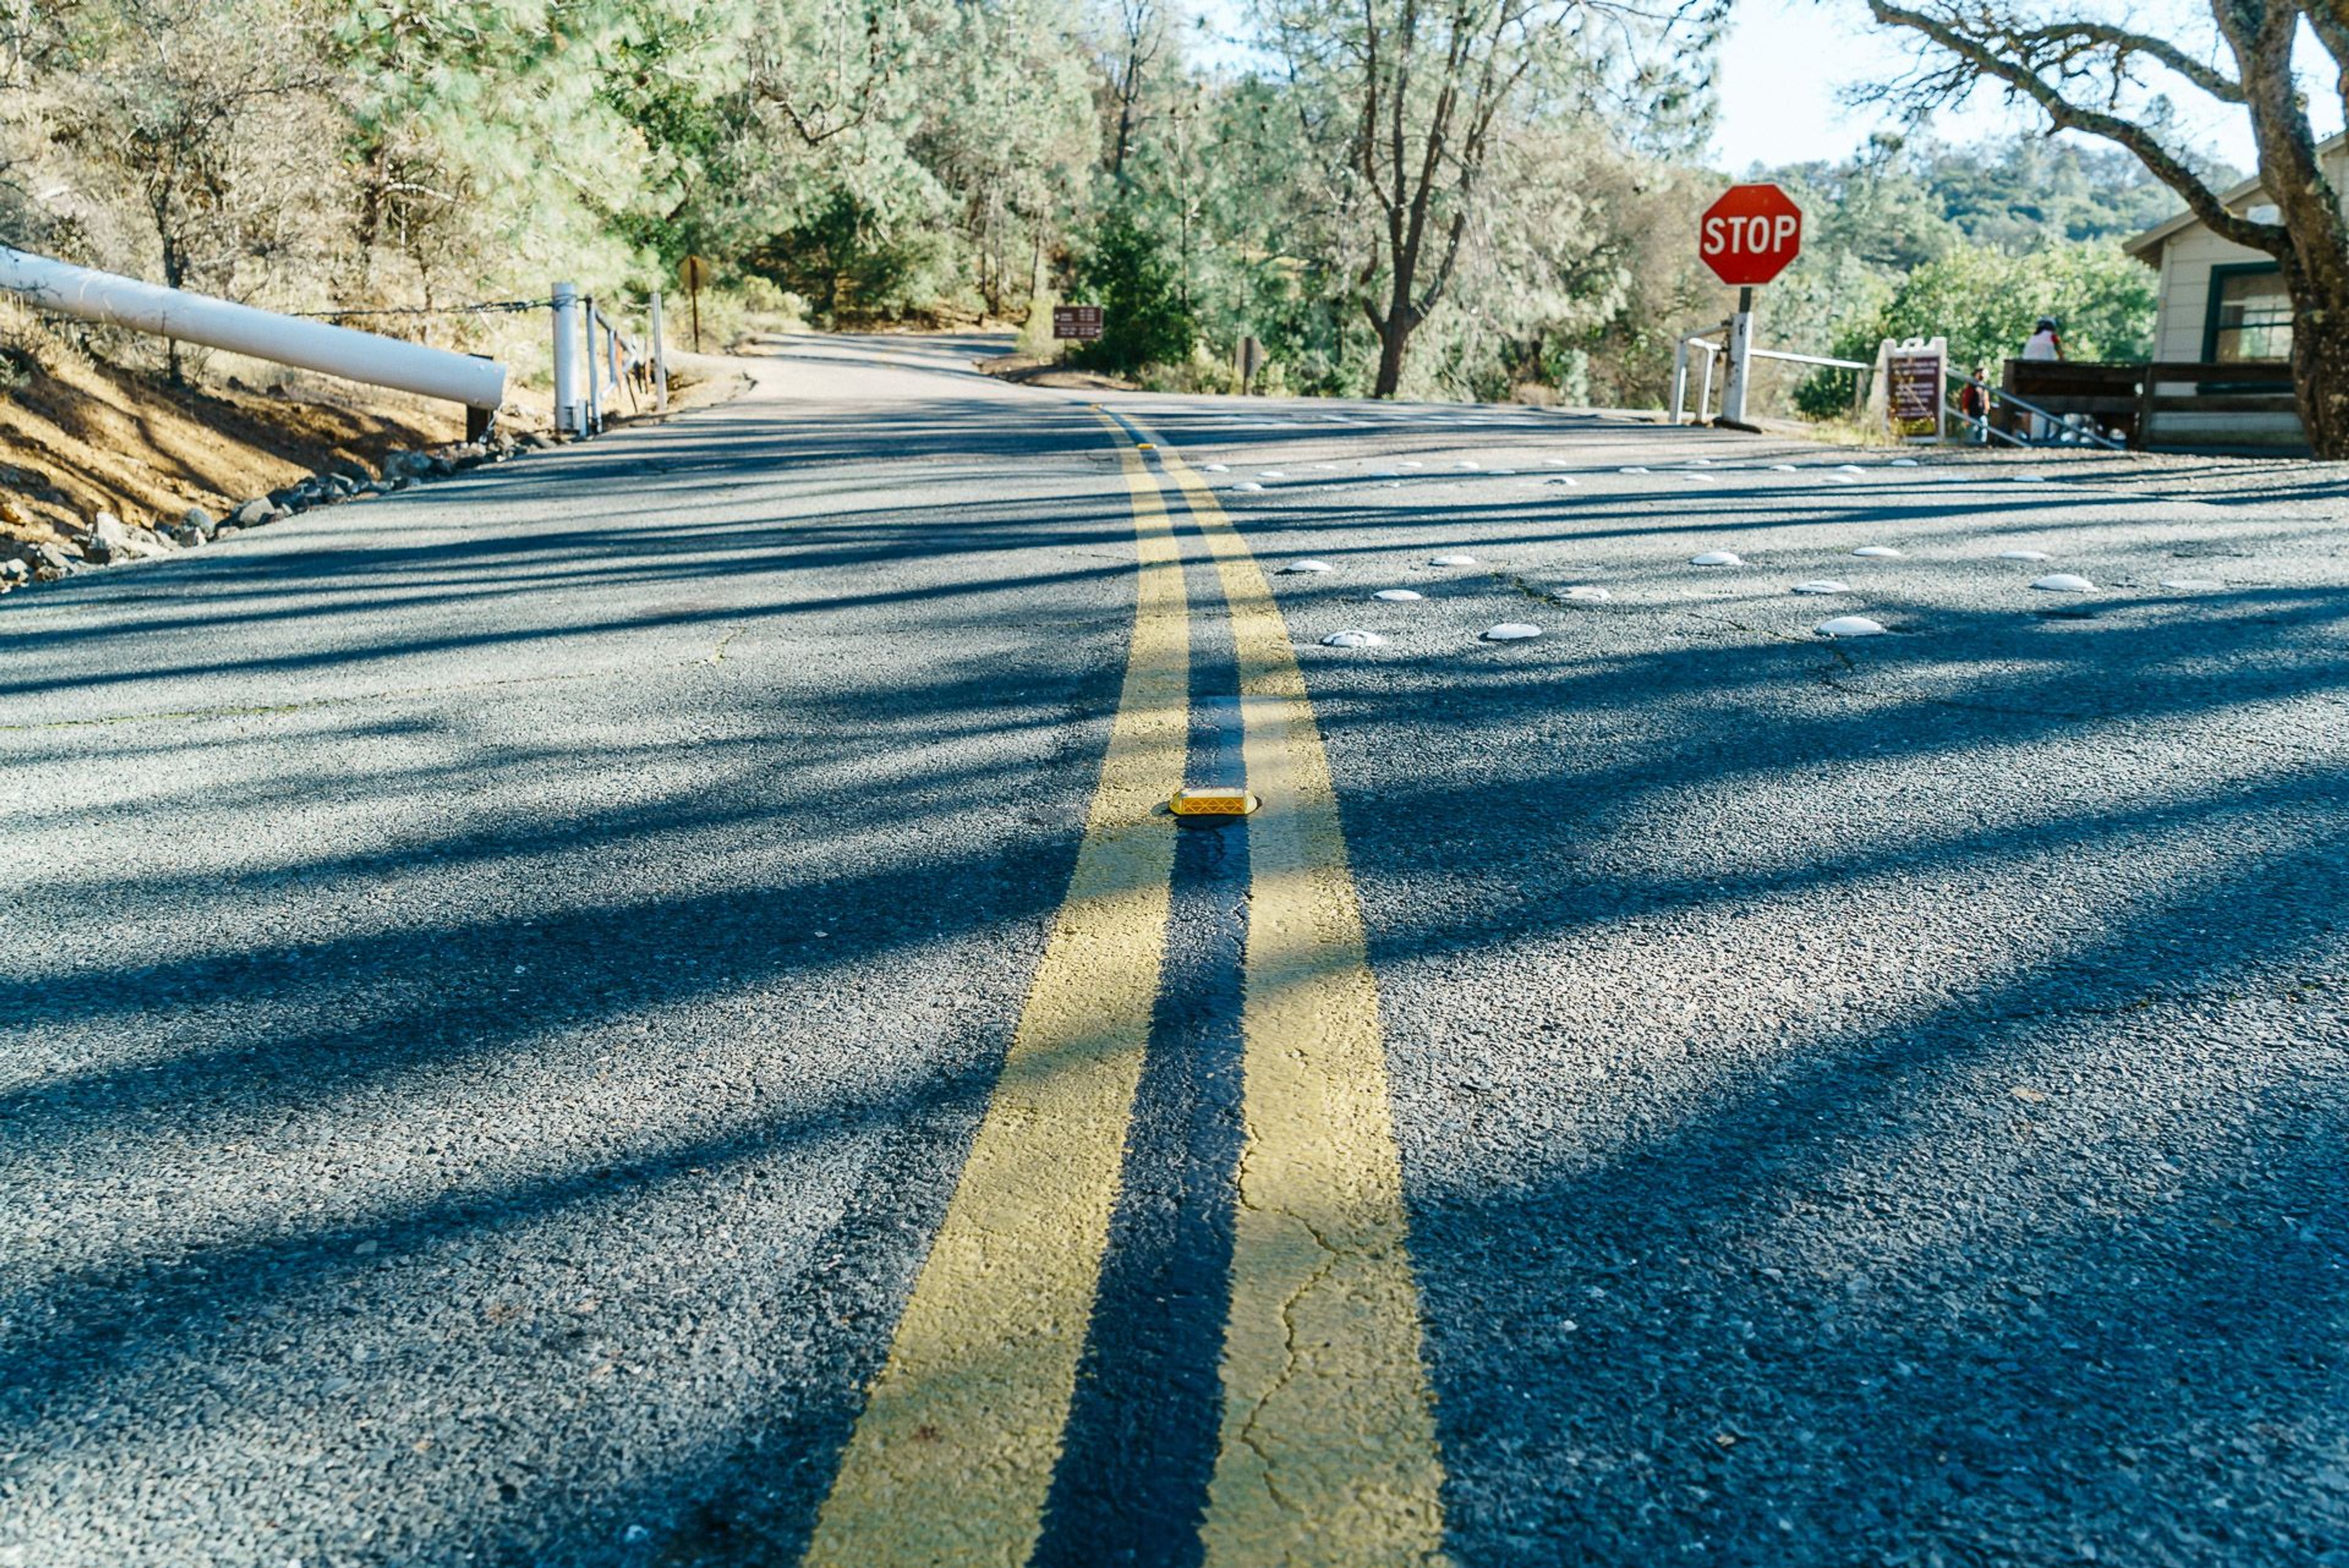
(1785, 66)
(1786, 61)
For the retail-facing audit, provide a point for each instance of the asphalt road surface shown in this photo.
(644, 1005)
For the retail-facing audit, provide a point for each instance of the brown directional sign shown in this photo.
(1914, 385)
(1078, 321)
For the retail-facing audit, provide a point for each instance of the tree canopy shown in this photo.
(1436, 197)
(2109, 73)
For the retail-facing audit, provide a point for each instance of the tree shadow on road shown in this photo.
(1807, 1286)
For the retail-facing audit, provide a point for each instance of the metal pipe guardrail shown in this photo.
(1680, 368)
(355, 355)
(1812, 360)
(1713, 351)
(2065, 433)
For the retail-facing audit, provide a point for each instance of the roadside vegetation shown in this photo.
(1492, 200)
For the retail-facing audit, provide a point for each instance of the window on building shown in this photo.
(2251, 315)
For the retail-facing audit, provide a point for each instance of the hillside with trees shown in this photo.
(1486, 201)
(1915, 240)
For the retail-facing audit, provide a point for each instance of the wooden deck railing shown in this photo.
(2174, 404)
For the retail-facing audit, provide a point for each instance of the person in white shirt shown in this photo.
(2044, 343)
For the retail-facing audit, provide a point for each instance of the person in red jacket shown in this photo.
(1974, 403)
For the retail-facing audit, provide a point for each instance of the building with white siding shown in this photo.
(2220, 301)
(2223, 304)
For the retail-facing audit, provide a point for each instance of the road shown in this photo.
(643, 1004)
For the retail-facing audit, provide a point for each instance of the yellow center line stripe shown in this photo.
(952, 1457)
(1329, 1452)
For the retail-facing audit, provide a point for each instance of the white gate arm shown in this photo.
(241, 329)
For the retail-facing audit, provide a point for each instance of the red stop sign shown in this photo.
(1749, 234)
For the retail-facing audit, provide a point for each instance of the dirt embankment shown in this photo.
(90, 452)
(79, 438)
(1031, 371)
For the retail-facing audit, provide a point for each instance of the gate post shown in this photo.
(570, 414)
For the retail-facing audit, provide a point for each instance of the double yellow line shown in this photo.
(1327, 1452)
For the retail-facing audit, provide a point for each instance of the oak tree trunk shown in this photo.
(1392, 334)
(2320, 357)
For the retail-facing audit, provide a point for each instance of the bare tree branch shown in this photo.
(2064, 43)
(1980, 56)
(2330, 20)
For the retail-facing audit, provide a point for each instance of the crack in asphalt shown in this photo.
(1330, 1257)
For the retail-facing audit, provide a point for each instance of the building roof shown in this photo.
(2146, 247)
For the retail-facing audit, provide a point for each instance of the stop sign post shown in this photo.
(1747, 238)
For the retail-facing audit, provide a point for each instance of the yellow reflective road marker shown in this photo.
(1212, 802)
(952, 1457)
(1328, 1453)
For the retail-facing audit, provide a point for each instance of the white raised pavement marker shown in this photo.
(1585, 594)
(1821, 585)
(2065, 582)
(1877, 552)
(1306, 566)
(1397, 595)
(1452, 561)
(1511, 632)
(1848, 626)
(2024, 556)
(1717, 558)
(1354, 638)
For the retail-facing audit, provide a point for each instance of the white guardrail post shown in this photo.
(595, 407)
(570, 407)
(1679, 369)
(355, 355)
(660, 356)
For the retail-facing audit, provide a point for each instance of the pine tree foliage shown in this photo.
(1443, 197)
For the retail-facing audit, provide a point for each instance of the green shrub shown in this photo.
(1985, 300)
(1036, 339)
(1202, 373)
(1146, 320)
